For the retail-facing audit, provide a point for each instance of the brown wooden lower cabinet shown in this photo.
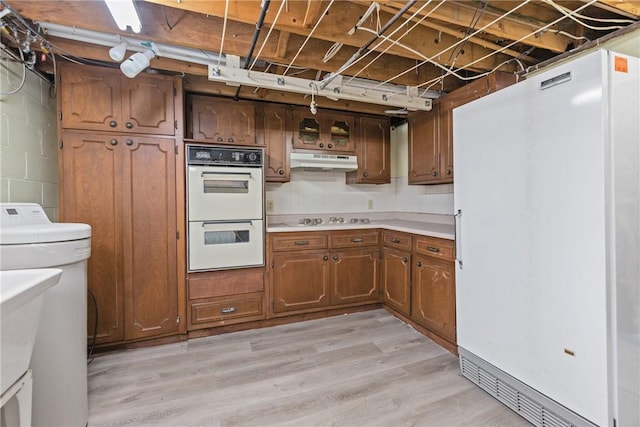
(396, 280)
(319, 277)
(225, 297)
(433, 299)
(300, 280)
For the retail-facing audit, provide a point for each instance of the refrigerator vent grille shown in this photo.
(533, 406)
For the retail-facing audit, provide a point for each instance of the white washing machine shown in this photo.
(59, 362)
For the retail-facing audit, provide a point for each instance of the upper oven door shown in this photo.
(224, 193)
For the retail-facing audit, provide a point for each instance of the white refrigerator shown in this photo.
(547, 202)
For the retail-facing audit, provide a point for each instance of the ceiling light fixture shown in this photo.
(125, 14)
(118, 52)
(137, 62)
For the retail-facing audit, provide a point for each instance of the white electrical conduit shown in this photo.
(308, 37)
(264, 42)
(396, 41)
(462, 40)
(24, 75)
(433, 81)
(573, 18)
(224, 30)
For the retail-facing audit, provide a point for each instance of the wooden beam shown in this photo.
(199, 31)
(341, 17)
(508, 27)
(632, 7)
(314, 9)
(283, 41)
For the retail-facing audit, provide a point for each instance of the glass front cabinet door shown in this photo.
(323, 131)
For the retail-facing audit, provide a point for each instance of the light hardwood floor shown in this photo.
(362, 369)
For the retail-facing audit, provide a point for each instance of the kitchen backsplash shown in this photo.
(28, 143)
(326, 192)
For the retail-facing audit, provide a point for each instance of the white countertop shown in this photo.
(444, 231)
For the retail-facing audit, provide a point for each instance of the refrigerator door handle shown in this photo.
(457, 220)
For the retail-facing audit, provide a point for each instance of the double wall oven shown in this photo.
(225, 207)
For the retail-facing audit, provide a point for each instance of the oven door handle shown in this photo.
(202, 174)
(229, 221)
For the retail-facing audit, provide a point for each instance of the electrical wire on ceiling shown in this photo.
(224, 30)
(24, 73)
(563, 10)
(433, 81)
(477, 15)
(264, 42)
(463, 40)
(326, 11)
(396, 41)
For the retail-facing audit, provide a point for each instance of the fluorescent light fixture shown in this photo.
(118, 51)
(136, 63)
(125, 14)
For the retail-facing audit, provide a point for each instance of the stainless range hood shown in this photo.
(323, 162)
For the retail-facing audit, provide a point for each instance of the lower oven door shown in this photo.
(225, 244)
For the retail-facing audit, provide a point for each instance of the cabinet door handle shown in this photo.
(395, 241)
(219, 139)
(329, 145)
(433, 249)
(228, 310)
(405, 259)
(357, 240)
(280, 172)
(325, 257)
(129, 142)
(113, 123)
(419, 264)
(434, 173)
(335, 257)
(113, 142)
(230, 140)
(448, 172)
(301, 242)
(366, 174)
(321, 145)
(129, 125)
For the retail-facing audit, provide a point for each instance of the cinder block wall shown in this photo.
(28, 143)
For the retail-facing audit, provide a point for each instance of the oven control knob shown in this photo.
(252, 157)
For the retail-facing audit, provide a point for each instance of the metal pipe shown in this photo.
(360, 51)
(256, 34)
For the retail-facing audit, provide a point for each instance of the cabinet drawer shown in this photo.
(354, 238)
(397, 240)
(299, 241)
(227, 310)
(228, 282)
(435, 247)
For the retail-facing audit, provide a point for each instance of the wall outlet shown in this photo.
(269, 206)
(370, 204)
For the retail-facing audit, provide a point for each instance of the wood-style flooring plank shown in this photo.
(361, 369)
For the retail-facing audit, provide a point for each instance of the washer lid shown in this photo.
(44, 233)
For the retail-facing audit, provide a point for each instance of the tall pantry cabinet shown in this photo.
(118, 173)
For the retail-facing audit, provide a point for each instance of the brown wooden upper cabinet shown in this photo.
(273, 129)
(373, 149)
(98, 98)
(431, 132)
(325, 131)
(220, 120)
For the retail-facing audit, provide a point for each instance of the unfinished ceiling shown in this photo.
(434, 45)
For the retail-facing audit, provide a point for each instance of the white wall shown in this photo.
(28, 143)
(326, 192)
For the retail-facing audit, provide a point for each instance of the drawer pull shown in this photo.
(357, 240)
(433, 249)
(301, 242)
(419, 264)
(228, 310)
(326, 257)
(395, 240)
(405, 259)
(335, 257)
